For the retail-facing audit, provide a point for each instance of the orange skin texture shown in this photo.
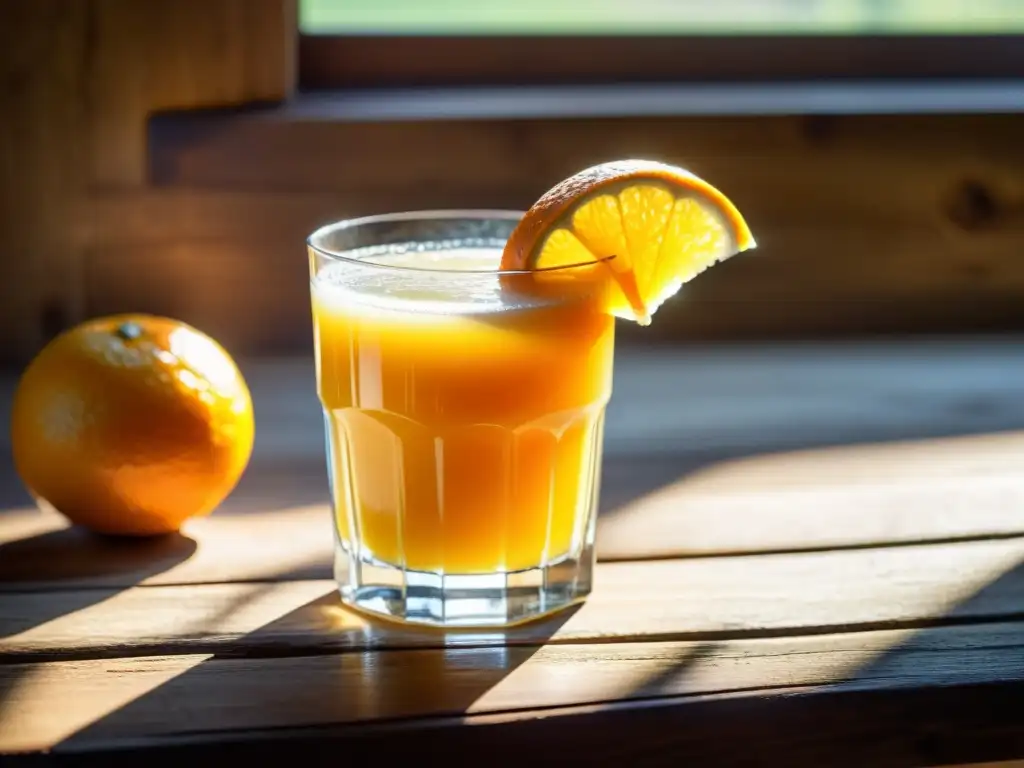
(132, 424)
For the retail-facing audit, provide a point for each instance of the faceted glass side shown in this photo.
(416, 542)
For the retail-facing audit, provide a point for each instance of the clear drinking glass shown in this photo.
(463, 410)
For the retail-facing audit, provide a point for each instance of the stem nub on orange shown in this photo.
(132, 424)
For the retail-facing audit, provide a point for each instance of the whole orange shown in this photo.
(132, 424)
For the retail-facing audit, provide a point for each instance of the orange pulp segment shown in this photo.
(650, 226)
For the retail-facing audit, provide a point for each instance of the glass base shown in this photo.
(463, 601)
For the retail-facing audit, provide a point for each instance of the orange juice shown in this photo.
(463, 417)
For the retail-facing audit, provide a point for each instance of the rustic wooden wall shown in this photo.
(78, 82)
(118, 196)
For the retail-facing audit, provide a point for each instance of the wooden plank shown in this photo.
(907, 728)
(507, 146)
(918, 213)
(866, 171)
(670, 599)
(847, 496)
(151, 701)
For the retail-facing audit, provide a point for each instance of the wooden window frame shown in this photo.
(380, 61)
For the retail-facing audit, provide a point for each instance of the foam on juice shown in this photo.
(444, 281)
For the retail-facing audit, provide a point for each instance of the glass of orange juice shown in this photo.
(463, 411)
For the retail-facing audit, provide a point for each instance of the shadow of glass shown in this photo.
(945, 686)
(666, 680)
(945, 689)
(350, 668)
(324, 625)
(952, 686)
(285, 675)
(978, 640)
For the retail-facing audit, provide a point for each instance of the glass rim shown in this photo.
(482, 214)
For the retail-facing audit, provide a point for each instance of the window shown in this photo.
(574, 17)
(461, 42)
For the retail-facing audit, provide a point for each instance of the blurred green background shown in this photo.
(661, 16)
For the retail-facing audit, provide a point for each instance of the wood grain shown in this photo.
(671, 599)
(91, 704)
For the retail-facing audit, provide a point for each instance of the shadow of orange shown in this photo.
(72, 554)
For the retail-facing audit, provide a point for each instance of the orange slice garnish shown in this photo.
(651, 227)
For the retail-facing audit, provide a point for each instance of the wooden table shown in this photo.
(811, 555)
